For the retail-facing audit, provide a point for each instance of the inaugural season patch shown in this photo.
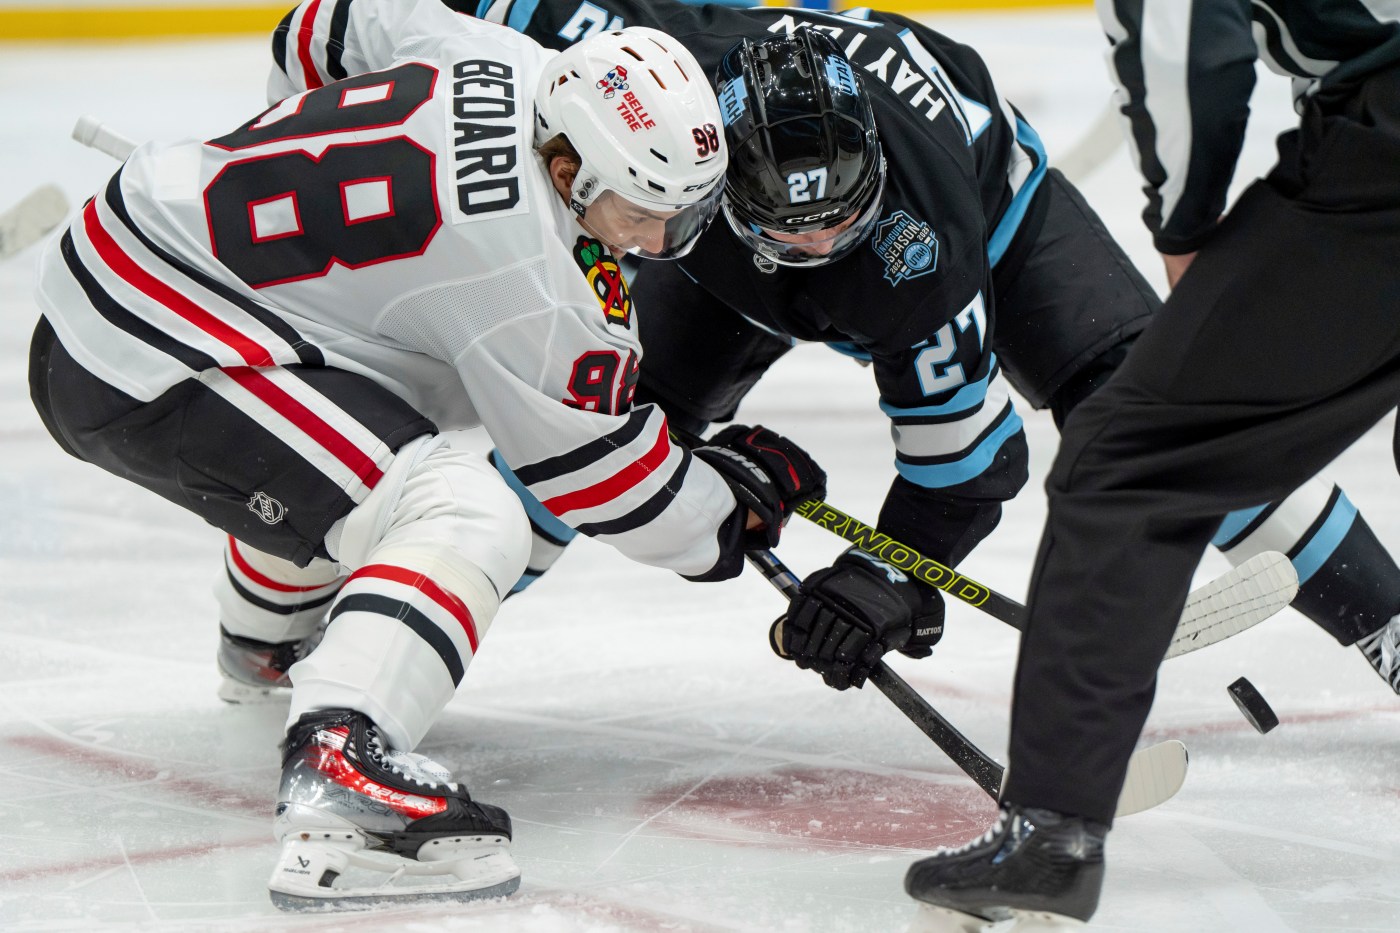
(907, 246)
(605, 277)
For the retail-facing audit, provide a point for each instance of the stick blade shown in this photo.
(1155, 774)
(31, 219)
(1235, 601)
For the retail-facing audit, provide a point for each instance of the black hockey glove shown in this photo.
(849, 615)
(768, 474)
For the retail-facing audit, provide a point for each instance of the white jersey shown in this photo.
(422, 246)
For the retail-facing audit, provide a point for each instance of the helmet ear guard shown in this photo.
(634, 105)
(804, 153)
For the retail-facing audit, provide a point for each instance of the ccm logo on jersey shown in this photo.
(485, 140)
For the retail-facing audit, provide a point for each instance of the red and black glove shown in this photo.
(849, 615)
(768, 474)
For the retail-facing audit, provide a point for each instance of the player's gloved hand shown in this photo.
(768, 474)
(849, 615)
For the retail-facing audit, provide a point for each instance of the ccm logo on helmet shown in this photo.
(812, 218)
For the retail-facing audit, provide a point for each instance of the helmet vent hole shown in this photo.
(658, 78)
(655, 187)
(633, 52)
(659, 156)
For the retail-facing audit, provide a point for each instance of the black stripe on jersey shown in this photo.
(1306, 537)
(589, 453)
(422, 626)
(1128, 66)
(281, 609)
(645, 512)
(306, 352)
(1267, 20)
(279, 40)
(335, 45)
(1254, 524)
(119, 316)
(956, 455)
(953, 416)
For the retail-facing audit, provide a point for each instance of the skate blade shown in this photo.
(370, 900)
(319, 875)
(933, 919)
(237, 693)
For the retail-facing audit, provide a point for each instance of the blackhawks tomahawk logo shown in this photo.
(605, 276)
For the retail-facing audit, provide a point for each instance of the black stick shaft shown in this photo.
(974, 762)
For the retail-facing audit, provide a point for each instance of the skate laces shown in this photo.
(410, 766)
(981, 840)
(1382, 649)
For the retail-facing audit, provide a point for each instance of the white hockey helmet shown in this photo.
(639, 109)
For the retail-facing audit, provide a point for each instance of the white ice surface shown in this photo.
(664, 771)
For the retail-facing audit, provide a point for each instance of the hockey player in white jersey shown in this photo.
(273, 329)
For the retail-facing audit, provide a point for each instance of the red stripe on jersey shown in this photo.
(248, 571)
(449, 601)
(123, 265)
(311, 424)
(305, 34)
(617, 484)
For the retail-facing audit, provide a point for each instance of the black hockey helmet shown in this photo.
(804, 155)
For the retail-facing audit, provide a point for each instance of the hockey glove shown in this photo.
(849, 615)
(768, 474)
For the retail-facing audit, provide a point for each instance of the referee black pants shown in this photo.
(1280, 347)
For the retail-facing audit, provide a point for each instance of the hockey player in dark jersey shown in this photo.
(1278, 347)
(281, 328)
(884, 199)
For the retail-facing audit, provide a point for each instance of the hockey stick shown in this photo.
(31, 219)
(95, 134)
(1154, 775)
(1226, 606)
(974, 762)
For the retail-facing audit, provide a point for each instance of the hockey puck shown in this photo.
(1253, 705)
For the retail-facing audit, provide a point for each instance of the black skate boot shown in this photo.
(1382, 649)
(1043, 868)
(362, 825)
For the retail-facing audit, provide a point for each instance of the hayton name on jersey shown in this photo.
(485, 139)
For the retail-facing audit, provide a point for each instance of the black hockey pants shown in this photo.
(1280, 347)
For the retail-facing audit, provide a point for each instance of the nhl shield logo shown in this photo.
(907, 246)
(267, 508)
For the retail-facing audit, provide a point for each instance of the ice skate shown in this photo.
(1382, 649)
(1034, 870)
(253, 671)
(362, 825)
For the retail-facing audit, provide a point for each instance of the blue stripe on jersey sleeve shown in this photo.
(965, 398)
(1315, 553)
(521, 12)
(1021, 201)
(541, 516)
(943, 475)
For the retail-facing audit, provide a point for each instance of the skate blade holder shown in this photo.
(933, 919)
(340, 874)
